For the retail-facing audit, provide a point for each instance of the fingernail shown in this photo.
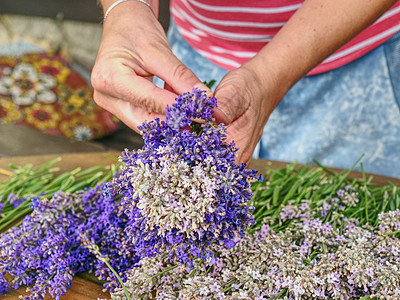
(221, 116)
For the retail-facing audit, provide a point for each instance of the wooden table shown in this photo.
(85, 287)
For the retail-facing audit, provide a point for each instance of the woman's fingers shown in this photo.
(129, 114)
(122, 83)
(175, 74)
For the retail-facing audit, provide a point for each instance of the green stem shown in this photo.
(342, 178)
(366, 198)
(103, 259)
(281, 293)
(164, 271)
(392, 232)
(230, 282)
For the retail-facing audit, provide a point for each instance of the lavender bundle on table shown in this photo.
(311, 259)
(50, 246)
(183, 190)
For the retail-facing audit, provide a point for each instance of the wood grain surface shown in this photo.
(83, 287)
(86, 286)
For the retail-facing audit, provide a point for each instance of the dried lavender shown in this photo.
(313, 257)
(183, 190)
(39, 251)
(389, 223)
(310, 260)
(51, 245)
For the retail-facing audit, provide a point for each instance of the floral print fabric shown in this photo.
(42, 91)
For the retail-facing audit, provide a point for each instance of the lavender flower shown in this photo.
(194, 105)
(268, 265)
(4, 286)
(103, 229)
(36, 251)
(15, 200)
(49, 247)
(340, 193)
(389, 222)
(183, 190)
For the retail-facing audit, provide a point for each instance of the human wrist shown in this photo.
(109, 5)
(270, 81)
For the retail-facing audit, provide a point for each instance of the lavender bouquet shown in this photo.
(51, 244)
(310, 259)
(183, 190)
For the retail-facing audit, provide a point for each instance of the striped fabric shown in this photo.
(229, 33)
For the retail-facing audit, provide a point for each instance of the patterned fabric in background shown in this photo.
(42, 91)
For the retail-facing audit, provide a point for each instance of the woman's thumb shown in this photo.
(178, 77)
(230, 103)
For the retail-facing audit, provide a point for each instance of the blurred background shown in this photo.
(47, 51)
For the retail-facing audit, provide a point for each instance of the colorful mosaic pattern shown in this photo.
(43, 92)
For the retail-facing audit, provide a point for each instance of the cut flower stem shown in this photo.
(100, 256)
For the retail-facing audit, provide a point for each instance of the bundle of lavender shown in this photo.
(318, 235)
(183, 190)
(310, 259)
(178, 196)
(51, 244)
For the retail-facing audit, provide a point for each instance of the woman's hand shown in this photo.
(247, 95)
(133, 49)
(245, 101)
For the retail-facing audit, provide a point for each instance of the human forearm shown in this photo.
(248, 95)
(315, 31)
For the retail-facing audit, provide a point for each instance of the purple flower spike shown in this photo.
(183, 190)
(50, 246)
(194, 105)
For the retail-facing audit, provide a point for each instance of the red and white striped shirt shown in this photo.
(229, 33)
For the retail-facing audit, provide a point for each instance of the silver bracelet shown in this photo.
(120, 1)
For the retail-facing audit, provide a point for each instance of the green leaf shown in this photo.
(210, 83)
